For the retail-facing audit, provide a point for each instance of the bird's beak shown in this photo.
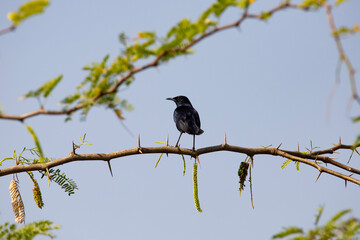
(169, 98)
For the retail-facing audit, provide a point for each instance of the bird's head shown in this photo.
(180, 101)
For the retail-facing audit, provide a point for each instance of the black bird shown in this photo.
(186, 118)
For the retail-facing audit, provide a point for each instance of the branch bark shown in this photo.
(311, 159)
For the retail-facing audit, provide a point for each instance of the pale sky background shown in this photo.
(266, 83)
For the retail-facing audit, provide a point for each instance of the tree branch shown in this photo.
(153, 63)
(311, 159)
(8, 29)
(341, 51)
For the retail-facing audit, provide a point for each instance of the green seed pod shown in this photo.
(195, 184)
(37, 194)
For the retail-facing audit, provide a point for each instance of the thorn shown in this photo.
(278, 146)
(298, 148)
(197, 159)
(357, 151)
(167, 144)
(340, 140)
(110, 168)
(73, 146)
(345, 183)
(318, 175)
(225, 142)
(139, 147)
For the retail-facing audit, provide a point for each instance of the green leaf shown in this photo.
(49, 86)
(338, 2)
(357, 119)
(285, 163)
(342, 31)
(7, 158)
(1, 110)
(265, 15)
(157, 162)
(45, 89)
(37, 143)
(126, 105)
(244, 3)
(315, 4)
(339, 215)
(62, 180)
(318, 215)
(287, 231)
(27, 9)
(148, 35)
(71, 99)
(123, 38)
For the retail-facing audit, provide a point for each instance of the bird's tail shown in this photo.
(200, 132)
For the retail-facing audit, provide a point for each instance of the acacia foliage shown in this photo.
(335, 228)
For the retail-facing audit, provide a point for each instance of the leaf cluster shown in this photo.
(28, 9)
(54, 175)
(343, 31)
(313, 4)
(27, 232)
(334, 228)
(66, 183)
(45, 89)
(297, 164)
(104, 78)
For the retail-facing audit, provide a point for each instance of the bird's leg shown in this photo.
(194, 144)
(178, 139)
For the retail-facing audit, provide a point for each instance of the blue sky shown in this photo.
(265, 83)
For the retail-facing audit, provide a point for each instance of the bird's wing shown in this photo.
(187, 120)
(196, 118)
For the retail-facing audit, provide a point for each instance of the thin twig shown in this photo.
(341, 51)
(7, 30)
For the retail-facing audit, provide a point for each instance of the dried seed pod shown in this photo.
(16, 201)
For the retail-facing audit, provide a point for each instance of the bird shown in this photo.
(186, 118)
